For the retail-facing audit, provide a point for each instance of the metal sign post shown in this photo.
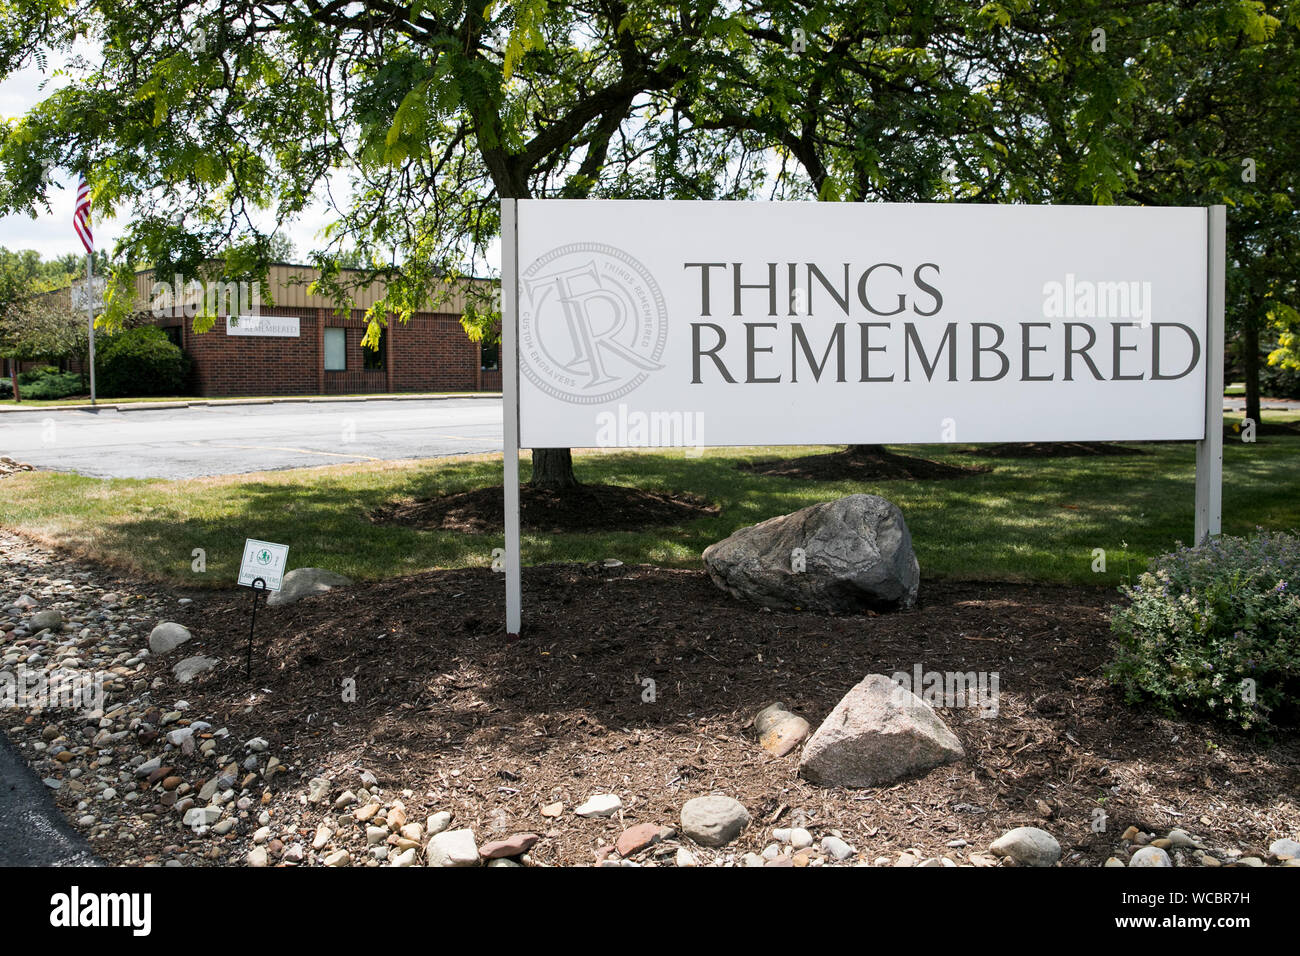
(1209, 450)
(258, 586)
(262, 569)
(510, 406)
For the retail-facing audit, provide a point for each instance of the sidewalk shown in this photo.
(273, 400)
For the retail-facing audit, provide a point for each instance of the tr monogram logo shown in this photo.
(592, 323)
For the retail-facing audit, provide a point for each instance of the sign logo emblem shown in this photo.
(592, 323)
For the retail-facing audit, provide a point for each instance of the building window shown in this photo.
(336, 350)
(491, 357)
(374, 358)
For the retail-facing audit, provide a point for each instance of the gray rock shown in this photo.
(1150, 856)
(1028, 846)
(300, 582)
(191, 667)
(318, 790)
(437, 822)
(856, 554)
(836, 848)
(714, 820)
(453, 848)
(1284, 849)
(43, 619)
(780, 731)
(876, 734)
(168, 636)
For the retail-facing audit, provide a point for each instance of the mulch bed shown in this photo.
(1053, 449)
(854, 464)
(585, 508)
(494, 730)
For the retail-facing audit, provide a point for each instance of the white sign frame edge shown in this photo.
(1209, 450)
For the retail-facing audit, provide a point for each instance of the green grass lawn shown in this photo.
(1029, 519)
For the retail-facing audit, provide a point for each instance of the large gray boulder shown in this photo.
(852, 554)
(878, 733)
(300, 582)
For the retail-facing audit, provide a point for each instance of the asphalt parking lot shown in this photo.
(202, 440)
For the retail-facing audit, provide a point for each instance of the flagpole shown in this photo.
(90, 316)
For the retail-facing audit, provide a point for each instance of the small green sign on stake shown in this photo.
(262, 570)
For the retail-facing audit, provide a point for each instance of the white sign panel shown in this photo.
(731, 323)
(276, 326)
(95, 300)
(265, 560)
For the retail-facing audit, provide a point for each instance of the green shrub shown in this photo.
(52, 385)
(1215, 631)
(44, 384)
(1278, 382)
(139, 361)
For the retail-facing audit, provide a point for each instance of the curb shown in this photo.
(220, 402)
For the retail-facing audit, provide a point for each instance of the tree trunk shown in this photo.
(1250, 367)
(13, 377)
(552, 469)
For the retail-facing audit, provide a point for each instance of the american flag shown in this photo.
(81, 216)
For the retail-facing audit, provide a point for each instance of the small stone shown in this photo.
(601, 805)
(168, 636)
(1028, 846)
(637, 838)
(800, 838)
(256, 857)
(44, 619)
(515, 845)
(191, 667)
(318, 790)
(453, 848)
(339, 858)
(346, 799)
(836, 849)
(1182, 838)
(1150, 856)
(684, 857)
(1284, 849)
(553, 809)
(1114, 861)
(714, 820)
(438, 822)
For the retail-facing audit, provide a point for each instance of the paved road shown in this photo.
(234, 439)
(1265, 404)
(32, 830)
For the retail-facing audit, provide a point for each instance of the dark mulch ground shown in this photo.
(586, 508)
(1052, 449)
(446, 707)
(858, 464)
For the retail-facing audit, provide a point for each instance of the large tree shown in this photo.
(205, 119)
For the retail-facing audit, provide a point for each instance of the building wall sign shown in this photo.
(274, 326)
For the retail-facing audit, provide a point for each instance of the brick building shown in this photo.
(300, 346)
